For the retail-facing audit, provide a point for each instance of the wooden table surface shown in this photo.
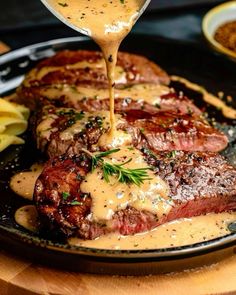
(21, 277)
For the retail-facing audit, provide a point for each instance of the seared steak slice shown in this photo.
(60, 129)
(199, 183)
(170, 102)
(87, 68)
(165, 131)
(149, 97)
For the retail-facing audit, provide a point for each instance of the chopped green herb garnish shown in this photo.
(79, 116)
(171, 154)
(65, 195)
(142, 130)
(74, 203)
(79, 177)
(190, 111)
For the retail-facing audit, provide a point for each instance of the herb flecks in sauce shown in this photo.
(130, 182)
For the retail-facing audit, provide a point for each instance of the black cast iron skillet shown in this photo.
(199, 65)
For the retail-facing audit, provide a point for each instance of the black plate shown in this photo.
(213, 72)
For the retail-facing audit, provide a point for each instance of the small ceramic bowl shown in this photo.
(216, 17)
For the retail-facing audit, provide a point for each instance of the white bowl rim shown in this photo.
(205, 23)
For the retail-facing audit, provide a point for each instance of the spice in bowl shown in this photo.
(226, 35)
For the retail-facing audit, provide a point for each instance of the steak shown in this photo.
(86, 68)
(171, 102)
(160, 131)
(200, 183)
(165, 131)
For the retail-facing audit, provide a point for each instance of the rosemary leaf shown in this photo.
(124, 175)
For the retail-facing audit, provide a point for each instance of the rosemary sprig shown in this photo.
(124, 175)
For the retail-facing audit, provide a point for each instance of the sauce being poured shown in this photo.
(108, 23)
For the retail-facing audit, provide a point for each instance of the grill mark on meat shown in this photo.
(200, 183)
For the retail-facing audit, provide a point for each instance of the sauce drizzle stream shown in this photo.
(108, 23)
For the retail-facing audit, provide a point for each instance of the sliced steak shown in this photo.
(149, 97)
(165, 131)
(59, 129)
(86, 68)
(171, 102)
(199, 183)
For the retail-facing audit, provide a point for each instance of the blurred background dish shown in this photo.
(215, 18)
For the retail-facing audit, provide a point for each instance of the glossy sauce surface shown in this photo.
(108, 23)
(109, 197)
(227, 111)
(150, 93)
(173, 234)
(23, 183)
(180, 232)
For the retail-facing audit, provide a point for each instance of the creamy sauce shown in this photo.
(23, 183)
(79, 125)
(108, 23)
(27, 217)
(173, 234)
(108, 197)
(38, 74)
(227, 111)
(177, 233)
(150, 93)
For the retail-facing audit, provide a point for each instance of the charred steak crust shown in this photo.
(59, 200)
(199, 183)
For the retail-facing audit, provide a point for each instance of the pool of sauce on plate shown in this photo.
(173, 234)
(23, 183)
(108, 23)
(227, 111)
